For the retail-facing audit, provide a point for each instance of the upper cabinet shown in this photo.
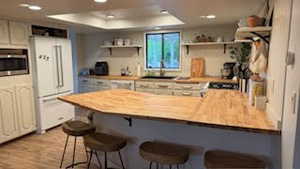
(4, 32)
(18, 33)
(13, 33)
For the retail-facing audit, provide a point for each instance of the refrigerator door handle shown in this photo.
(57, 66)
(61, 66)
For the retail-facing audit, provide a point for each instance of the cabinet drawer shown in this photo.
(188, 86)
(163, 92)
(102, 83)
(164, 85)
(145, 90)
(85, 81)
(140, 84)
(186, 93)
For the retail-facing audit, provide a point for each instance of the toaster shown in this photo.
(101, 68)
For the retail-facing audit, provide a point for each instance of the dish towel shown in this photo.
(259, 58)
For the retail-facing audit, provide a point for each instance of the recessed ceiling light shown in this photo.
(34, 7)
(211, 16)
(164, 11)
(100, 1)
(24, 5)
(110, 16)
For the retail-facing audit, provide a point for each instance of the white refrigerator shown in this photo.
(53, 78)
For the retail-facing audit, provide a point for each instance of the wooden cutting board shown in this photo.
(197, 67)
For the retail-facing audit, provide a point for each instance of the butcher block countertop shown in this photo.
(190, 80)
(219, 108)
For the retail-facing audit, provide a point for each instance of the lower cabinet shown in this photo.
(17, 112)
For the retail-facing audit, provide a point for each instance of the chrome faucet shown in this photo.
(161, 70)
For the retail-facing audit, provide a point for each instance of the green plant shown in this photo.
(241, 53)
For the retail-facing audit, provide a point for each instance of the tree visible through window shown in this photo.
(163, 47)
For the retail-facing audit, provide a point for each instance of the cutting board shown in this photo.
(197, 67)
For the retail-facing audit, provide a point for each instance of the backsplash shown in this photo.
(214, 56)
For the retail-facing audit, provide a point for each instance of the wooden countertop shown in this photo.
(190, 80)
(219, 108)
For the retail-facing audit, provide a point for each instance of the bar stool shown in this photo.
(165, 154)
(77, 129)
(217, 159)
(104, 143)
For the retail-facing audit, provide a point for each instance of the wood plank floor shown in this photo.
(40, 151)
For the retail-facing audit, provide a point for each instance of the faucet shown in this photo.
(161, 70)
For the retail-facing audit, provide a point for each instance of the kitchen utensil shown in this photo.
(118, 42)
(127, 42)
(197, 67)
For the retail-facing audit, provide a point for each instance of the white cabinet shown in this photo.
(26, 108)
(86, 84)
(18, 33)
(8, 115)
(17, 113)
(4, 32)
(100, 84)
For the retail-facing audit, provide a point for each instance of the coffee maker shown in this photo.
(227, 70)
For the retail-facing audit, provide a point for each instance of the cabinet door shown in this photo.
(4, 33)
(65, 65)
(46, 66)
(18, 33)
(26, 109)
(8, 115)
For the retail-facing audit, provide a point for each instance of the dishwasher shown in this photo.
(122, 84)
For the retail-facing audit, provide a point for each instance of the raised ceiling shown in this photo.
(132, 13)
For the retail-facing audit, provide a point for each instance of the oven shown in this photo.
(13, 62)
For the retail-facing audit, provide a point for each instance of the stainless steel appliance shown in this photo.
(222, 85)
(227, 71)
(13, 62)
(101, 69)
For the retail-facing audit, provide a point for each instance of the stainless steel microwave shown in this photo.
(13, 64)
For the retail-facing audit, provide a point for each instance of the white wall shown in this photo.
(277, 55)
(213, 55)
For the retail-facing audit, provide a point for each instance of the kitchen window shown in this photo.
(163, 50)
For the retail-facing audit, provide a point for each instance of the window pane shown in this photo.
(154, 50)
(171, 50)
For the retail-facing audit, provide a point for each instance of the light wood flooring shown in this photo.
(40, 151)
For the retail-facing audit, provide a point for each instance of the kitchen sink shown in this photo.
(158, 77)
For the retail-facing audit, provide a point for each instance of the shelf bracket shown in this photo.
(129, 121)
(138, 50)
(187, 49)
(264, 38)
(225, 48)
(110, 51)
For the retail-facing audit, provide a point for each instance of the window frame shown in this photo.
(146, 48)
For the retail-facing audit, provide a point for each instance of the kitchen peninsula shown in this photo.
(219, 108)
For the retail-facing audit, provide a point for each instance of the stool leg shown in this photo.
(121, 160)
(157, 166)
(177, 166)
(100, 165)
(170, 166)
(86, 153)
(150, 166)
(89, 163)
(74, 152)
(63, 156)
(105, 160)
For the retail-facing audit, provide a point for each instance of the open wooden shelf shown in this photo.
(247, 33)
(187, 45)
(110, 47)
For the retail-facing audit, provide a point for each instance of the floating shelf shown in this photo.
(247, 33)
(110, 47)
(187, 45)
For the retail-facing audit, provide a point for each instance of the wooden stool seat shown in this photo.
(104, 142)
(229, 160)
(164, 153)
(77, 128)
